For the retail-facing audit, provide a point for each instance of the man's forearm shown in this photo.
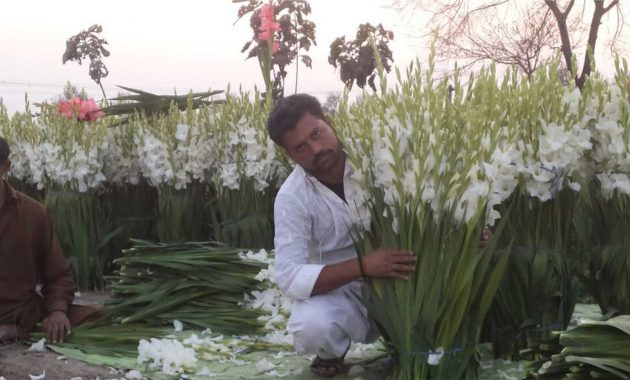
(336, 275)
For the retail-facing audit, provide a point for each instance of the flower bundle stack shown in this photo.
(199, 284)
(425, 190)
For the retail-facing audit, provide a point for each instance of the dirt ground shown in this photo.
(17, 363)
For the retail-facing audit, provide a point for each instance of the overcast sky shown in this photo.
(163, 45)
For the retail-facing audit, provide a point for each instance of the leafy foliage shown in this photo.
(297, 33)
(355, 58)
(87, 44)
(153, 105)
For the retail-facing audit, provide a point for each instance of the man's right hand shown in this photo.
(380, 263)
(56, 326)
(389, 263)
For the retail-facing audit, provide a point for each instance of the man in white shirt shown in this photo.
(316, 263)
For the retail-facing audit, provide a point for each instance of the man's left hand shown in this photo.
(57, 325)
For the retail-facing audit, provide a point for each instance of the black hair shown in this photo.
(4, 150)
(288, 111)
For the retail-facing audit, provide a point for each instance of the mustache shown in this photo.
(321, 154)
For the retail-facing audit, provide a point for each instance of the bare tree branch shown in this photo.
(611, 5)
(569, 7)
(475, 31)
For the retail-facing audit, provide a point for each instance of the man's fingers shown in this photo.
(48, 329)
(55, 332)
(400, 276)
(63, 330)
(405, 259)
(402, 253)
(404, 268)
(59, 329)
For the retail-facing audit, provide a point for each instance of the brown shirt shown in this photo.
(30, 254)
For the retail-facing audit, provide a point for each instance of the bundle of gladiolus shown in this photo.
(592, 350)
(436, 167)
(199, 284)
(178, 346)
(603, 226)
(419, 157)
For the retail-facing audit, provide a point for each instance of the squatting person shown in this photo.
(30, 254)
(316, 262)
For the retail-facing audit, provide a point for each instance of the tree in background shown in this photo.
(69, 92)
(479, 30)
(355, 59)
(282, 31)
(599, 11)
(88, 45)
(331, 104)
(523, 41)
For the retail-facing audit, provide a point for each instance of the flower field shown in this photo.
(543, 164)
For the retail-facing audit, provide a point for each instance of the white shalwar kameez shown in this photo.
(313, 229)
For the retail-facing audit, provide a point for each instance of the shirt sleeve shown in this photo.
(56, 274)
(294, 274)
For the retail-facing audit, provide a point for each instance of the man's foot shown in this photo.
(10, 334)
(327, 367)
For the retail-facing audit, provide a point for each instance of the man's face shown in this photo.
(313, 145)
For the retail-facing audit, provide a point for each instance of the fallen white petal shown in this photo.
(61, 357)
(264, 365)
(133, 375)
(435, 356)
(39, 377)
(178, 325)
(279, 355)
(76, 378)
(206, 372)
(275, 373)
(39, 346)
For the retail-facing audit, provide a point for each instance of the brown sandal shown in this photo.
(327, 367)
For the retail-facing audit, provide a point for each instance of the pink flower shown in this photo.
(267, 23)
(266, 12)
(80, 109)
(88, 110)
(65, 109)
(274, 46)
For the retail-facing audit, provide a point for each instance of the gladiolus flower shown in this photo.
(83, 110)
(65, 109)
(267, 23)
(266, 12)
(89, 110)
